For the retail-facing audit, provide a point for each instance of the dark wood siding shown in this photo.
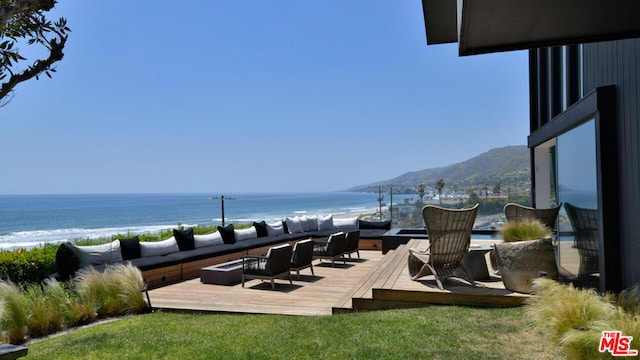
(618, 63)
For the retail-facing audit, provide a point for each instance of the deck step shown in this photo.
(383, 290)
(364, 289)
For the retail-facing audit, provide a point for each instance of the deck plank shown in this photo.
(363, 289)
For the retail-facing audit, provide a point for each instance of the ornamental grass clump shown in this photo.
(629, 299)
(14, 316)
(47, 306)
(575, 318)
(559, 308)
(116, 291)
(129, 281)
(524, 230)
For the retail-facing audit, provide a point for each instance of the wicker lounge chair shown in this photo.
(353, 242)
(302, 256)
(449, 233)
(331, 249)
(585, 225)
(547, 217)
(276, 264)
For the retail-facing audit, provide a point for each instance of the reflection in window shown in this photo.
(577, 190)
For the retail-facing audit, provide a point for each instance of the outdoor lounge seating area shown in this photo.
(181, 256)
(378, 281)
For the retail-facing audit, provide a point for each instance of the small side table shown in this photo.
(476, 262)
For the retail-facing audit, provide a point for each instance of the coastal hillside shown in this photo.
(509, 165)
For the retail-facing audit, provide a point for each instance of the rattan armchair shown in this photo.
(449, 232)
(302, 256)
(516, 212)
(586, 235)
(276, 264)
(332, 249)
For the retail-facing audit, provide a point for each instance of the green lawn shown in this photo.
(438, 332)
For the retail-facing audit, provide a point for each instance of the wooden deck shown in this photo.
(374, 282)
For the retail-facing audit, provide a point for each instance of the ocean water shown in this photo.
(30, 220)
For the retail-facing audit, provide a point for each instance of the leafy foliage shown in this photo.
(28, 266)
(24, 23)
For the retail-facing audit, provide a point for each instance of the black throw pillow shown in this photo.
(376, 225)
(228, 235)
(130, 248)
(67, 261)
(261, 228)
(286, 228)
(184, 238)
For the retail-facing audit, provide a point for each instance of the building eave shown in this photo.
(483, 26)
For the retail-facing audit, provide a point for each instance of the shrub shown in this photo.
(523, 230)
(28, 265)
(13, 312)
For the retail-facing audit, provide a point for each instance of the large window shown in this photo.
(575, 159)
(577, 189)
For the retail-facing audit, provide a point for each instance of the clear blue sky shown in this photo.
(243, 96)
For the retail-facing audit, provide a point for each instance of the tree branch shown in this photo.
(14, 7)
(38, 67)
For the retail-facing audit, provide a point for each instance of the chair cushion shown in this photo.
(261, 228)
(67, 261)
(159, 248)
(205, 240)
(245, 234)
(312, 223)
(228, 234)
(374, 225)
(304, 222)
(276, 228)
(153, 262)
(98, 254)
(130, 248)
(325, 223)
(294, 225)
(346, 223)
(185, 239)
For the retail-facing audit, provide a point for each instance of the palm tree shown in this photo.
(439, 186)
(421, 192)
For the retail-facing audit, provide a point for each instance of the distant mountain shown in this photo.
(509, 165)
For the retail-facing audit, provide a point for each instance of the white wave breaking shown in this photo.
(30, 239)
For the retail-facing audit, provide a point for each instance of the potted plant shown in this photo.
(526, 253)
